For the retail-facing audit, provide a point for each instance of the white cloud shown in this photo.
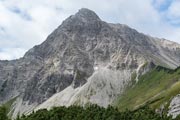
(173, 12)
(11, 53)
(24, 24)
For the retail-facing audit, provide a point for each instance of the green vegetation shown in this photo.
(9, 103)
(155, 88)
(3, 113)
(90, 112)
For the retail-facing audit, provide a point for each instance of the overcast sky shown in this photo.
(25, 23)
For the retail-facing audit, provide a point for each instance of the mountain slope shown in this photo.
(85, 56)
(155, 88)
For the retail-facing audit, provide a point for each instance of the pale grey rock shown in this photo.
(174, 107)
(84, 60)
(101, 88)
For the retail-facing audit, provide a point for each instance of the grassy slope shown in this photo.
(155, 88)
(9, 103)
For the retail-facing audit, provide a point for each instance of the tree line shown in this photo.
(90, 112)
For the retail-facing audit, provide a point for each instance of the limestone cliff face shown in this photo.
(174, 108)
(84, 60)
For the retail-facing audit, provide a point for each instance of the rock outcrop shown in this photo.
(174, 108)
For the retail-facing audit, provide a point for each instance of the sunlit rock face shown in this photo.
(85, 60)
(174, 108)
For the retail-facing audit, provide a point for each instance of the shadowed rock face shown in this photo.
(78, 58)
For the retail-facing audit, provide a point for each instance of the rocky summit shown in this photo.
(85, 60)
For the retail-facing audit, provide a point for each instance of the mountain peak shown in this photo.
(84, 19)
(87, 14)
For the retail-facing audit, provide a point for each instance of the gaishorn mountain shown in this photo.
(85, 60)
